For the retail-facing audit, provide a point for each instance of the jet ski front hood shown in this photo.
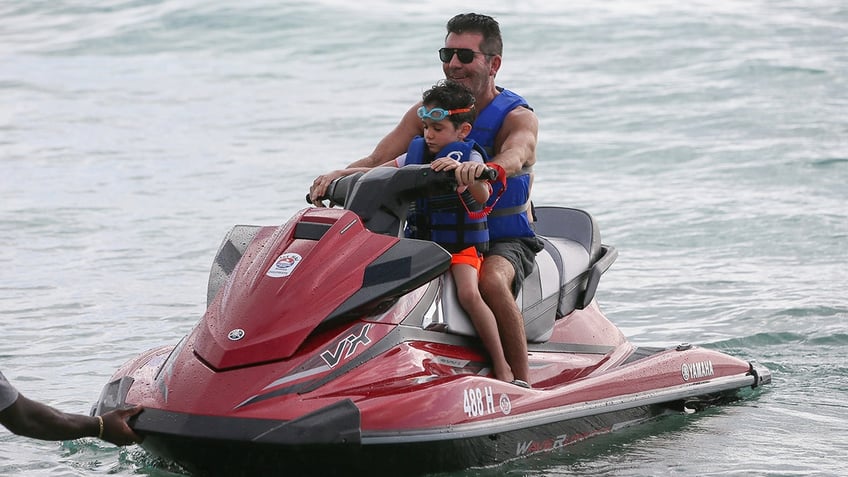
(321, 266)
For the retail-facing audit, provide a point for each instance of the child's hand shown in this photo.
(443, 164)
(447, 164)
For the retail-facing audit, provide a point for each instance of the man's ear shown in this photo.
(496, 65)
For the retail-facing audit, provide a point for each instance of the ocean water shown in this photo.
(708, 138)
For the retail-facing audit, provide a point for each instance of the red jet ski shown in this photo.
(333, 345)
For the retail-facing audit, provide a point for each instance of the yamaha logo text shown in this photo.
(701, 369)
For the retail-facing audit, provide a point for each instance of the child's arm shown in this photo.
(480, 190)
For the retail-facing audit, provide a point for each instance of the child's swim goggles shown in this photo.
(437, 114)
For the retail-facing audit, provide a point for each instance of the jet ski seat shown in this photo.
(561, 280)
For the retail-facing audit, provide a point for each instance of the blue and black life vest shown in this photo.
(443, 219)
(508, 218)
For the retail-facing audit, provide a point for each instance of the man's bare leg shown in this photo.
(496, 289)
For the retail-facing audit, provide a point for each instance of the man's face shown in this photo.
(473, 75)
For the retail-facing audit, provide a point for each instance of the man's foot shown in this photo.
(520, 383)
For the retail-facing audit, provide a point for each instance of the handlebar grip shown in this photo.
(489, 174)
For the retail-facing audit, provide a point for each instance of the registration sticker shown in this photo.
(284, 265)
(478, 401)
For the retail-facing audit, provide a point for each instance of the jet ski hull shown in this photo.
(332, 345)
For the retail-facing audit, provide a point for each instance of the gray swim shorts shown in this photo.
(521, 253)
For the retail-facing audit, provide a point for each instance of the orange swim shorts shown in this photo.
(468, 256)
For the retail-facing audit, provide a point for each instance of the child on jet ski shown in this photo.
(455, 221)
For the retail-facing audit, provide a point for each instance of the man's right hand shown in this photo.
(320, 185)
(468, 172)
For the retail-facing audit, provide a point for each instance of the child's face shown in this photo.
(438, 134)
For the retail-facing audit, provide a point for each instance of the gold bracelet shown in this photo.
(100, 420)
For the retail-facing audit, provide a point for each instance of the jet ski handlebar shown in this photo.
(489, 174)
(381, 197)
(427, 183)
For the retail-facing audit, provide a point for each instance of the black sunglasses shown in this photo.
(465, 55)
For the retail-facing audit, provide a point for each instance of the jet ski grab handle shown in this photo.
(381, 197)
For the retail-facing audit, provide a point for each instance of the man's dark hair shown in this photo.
(492, 43)
(447, 94)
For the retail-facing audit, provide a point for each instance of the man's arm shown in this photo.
(517, 138)
(515, 146)
(29, 418)
(393, 145)
(396, 142)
